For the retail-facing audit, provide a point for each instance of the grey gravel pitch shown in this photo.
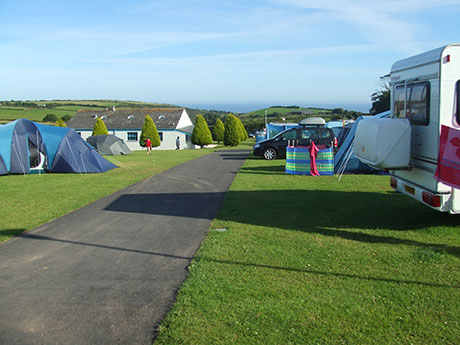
(109, 272)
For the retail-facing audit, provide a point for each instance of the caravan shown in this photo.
(420, 144)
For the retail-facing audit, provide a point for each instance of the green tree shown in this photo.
(242, 131)
(66, 118)
(381, 98)
(201, 134)
(50, 118)
(219, 131)
(211, 118)
(380, 101)
(60, 123)
(100, 128)
(149, 130)
(231, 135)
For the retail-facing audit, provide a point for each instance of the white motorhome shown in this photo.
(425, 95)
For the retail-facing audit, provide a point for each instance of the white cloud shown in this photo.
(390, 23)
(276, 55)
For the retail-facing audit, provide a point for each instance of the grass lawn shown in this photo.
(29, 200)
(311, 260)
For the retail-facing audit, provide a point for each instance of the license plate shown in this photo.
(409, 189)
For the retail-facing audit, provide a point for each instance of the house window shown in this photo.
(132, 136)
(161, 135)
(417, 103)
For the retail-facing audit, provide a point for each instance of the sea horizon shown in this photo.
(246, 107)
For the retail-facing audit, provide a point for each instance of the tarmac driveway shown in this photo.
(109, 272)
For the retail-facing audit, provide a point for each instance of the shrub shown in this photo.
(50, 118)
(100, 128)
(231, 135)
(219, 131)
(66, 118)
(60, 123)
(201, 134)
(149, 130)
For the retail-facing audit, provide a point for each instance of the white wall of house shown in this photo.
(184, 121)
(85, 133)
(131, 138)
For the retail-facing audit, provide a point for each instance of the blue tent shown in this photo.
(26, 146)
(273, 129)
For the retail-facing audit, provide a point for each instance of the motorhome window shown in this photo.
(399, 102)
(418, 104)
(417, 99)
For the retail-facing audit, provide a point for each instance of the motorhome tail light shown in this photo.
(394, 183)
(432, 200)
(336, 142)
(448, 58)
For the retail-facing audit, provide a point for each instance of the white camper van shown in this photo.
(425, 96)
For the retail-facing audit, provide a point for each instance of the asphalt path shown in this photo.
(109, 272)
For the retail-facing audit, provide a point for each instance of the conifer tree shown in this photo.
(201, 134)
(231, 135)
(149, 130)
(219, 131)
(242, 130)
(100, 128)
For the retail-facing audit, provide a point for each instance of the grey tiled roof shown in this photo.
(164, 118)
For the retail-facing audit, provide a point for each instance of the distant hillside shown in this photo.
(255, 120)
(37, 110)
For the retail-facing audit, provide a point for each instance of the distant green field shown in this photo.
(284, 110)
(35, 114)
(104, 103)
(60, 108)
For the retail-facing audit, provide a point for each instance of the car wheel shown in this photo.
(270, 153)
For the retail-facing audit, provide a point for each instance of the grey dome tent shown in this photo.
(27, 146)
(109, 145)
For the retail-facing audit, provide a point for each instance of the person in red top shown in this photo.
(148, 143)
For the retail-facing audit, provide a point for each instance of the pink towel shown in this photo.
(313, 153)
(448, 169)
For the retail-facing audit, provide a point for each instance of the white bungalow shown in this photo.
(127, 125)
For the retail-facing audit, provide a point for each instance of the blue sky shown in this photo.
(274, 51)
